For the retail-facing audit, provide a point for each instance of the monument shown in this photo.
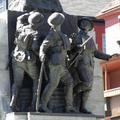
(42, 47)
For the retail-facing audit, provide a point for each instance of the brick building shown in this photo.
(111, 69)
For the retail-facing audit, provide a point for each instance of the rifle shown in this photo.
(39, 84)
(80, 52)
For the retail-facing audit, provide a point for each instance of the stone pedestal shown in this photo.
(16, 116)
(96, 99)
(50, 116)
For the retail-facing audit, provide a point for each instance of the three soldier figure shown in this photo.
(54, 48)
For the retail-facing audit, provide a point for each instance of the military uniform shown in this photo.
(55, 47)
(85, 66)
(24, 59)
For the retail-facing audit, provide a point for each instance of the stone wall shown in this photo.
(4, 71)
(96, 99)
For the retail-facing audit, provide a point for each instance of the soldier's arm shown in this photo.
(47, 43)
(101, 55)
(21, 21)
(35, 45)
(73, 38)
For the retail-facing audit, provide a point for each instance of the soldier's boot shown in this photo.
(46, 94)
(77, 102)
(13, 101)
(34, 96)
(71, 109)
(44, 108)
(33, 103)
(43, 105)
(69, 99)
(84, 100)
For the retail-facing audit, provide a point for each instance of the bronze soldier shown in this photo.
(55, 47)
(84, 64)
(24, 54)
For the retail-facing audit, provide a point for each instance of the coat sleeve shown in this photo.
(101, 55)
(35, 45)
(47, 43)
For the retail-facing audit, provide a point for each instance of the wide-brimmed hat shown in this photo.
(56, 19)
(83, 22)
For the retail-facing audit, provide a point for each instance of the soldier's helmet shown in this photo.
(35, 18)
(85, 24)
(23, 18)
(56, 19)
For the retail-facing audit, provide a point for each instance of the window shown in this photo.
(103, 43)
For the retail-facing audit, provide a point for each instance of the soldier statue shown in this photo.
(24, 54)
(84, 61)
(54, 48)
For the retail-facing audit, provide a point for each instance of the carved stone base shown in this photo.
(50, 116)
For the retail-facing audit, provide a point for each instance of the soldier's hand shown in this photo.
(42, 57)
(114, 56)
(79, 46)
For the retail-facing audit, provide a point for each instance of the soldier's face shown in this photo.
(86, 25)
(35, 26)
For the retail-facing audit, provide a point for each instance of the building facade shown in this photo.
(111, 15)
(111, 69)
